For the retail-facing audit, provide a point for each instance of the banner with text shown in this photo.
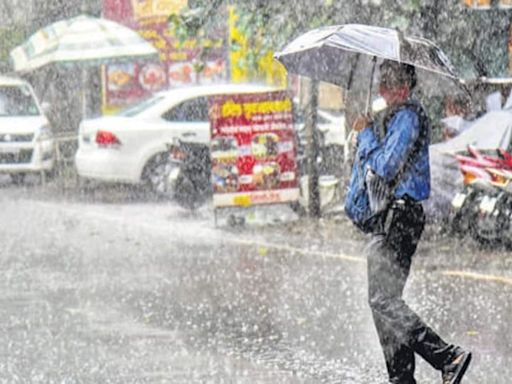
(178, 64)
(253, 149)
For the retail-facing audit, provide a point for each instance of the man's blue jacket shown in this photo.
(386, 158)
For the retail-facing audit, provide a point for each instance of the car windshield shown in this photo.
(17, 101)
(141, 107)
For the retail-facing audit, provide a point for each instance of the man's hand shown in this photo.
(361, 122)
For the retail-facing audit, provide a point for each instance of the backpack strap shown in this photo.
(424, 127)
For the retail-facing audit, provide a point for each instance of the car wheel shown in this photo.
(156, 174)
(17, 178)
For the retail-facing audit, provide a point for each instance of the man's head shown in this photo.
(396, 81)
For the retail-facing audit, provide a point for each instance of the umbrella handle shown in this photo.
(370, 86)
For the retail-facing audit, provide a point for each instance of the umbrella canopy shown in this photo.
(330, 53)
(82, 39)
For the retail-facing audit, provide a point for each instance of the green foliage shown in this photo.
(11, 38)
(476, 41)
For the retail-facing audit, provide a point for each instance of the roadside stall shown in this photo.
(253, 150)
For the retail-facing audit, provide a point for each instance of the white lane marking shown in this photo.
(287, 248)
(478, 276)
(215, 235)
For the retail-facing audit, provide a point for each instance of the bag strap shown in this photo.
(418, 143)
(380, 130)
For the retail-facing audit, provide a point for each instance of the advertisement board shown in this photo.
(253, 149)
(127, 83)
(488, 4)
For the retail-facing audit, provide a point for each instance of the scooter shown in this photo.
(463, 206)
(189, 180)
(483, 207)
(492, 223)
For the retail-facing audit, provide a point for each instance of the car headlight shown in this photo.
(44, 133)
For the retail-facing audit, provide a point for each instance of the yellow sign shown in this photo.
(242, 200)
(266, 67)
(232, 109)
(486, 4)
(143, 9)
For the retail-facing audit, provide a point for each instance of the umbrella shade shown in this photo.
(82, 39)
(330, 53)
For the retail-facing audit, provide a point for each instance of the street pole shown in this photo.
(312, 151)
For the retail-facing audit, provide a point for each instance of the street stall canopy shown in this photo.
(82, 39)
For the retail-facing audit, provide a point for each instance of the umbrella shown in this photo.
(82, 40)
(332, 53)
(328, 53)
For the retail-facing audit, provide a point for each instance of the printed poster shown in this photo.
(253, 149)
(125, 84)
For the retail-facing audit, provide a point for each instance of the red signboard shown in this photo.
(253, 149)
(125, 83)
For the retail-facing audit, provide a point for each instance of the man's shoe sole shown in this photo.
(462, 369)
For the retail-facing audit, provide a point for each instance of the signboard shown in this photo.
(487, 4)
(126, 83)
(253, 149)
(144, 9)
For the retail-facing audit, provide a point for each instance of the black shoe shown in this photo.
(453, 372)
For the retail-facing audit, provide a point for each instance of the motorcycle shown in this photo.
(492, 224)
(484, 207)
(189, 180)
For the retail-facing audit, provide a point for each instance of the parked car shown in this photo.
(131, 146)
(26, 143)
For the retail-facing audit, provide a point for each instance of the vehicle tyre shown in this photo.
(17, 178)
(187, 195)
(156, 174)
(49, 174)
(484, 238)
(298, 209)
(492, 234)
(460, 220)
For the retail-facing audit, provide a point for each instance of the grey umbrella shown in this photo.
(331, 53)
(328, 53)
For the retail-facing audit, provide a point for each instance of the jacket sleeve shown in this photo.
(366, 143)
(391, 155)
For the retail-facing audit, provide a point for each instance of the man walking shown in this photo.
(399, 156)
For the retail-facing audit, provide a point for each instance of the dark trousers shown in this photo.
(401, 332)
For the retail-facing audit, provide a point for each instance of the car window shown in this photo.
(17, 101)
(190, 110)
(141, 107)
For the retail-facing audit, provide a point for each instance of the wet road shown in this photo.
(130, 292)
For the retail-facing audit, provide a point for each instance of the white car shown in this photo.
(131, 147)
(26, 143)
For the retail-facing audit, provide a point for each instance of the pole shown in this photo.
(370, 86)
(312, 151)
(84, 92)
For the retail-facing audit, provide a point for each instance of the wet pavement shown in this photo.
(102, 287)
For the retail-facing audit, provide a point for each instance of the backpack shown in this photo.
(369, 196)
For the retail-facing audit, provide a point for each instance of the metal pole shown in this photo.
(368, 109)
(84, 92)
(312, 151)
